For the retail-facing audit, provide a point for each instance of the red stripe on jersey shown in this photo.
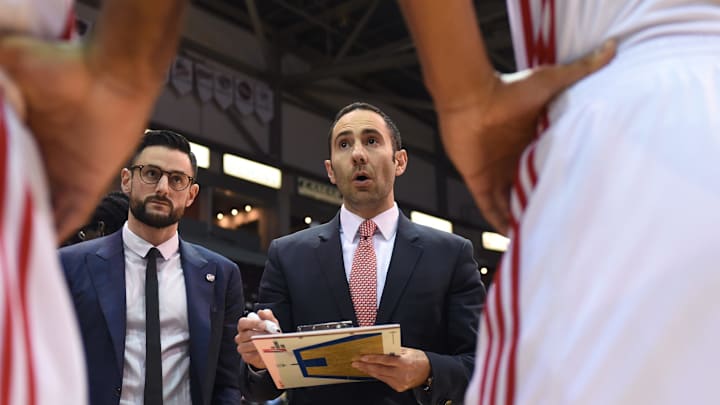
(528, 31)
(539, 49)
(501, 336)
(24, 266)
(69, 30)
(7, 346)
(522, 198)
(532, 173)
(3, 159)
(7, 335)
(515, 313)
(482, 391)
(551, 57)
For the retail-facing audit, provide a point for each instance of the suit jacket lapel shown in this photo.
(406, 252)
(329, 254)
(200, 298)
(107, 270)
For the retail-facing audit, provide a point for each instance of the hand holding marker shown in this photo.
(270, 326)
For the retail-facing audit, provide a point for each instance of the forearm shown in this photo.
(455, 65)
(135, 41)
(450, 377)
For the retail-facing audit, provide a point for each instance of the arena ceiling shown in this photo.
(363, 42)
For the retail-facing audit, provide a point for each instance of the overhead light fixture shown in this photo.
(234, 211)
(495, 241)
(484, 271)
(252, 171)
(248, 208)
(431, 221)
(220, 216)
(202, 154)
(308, 220)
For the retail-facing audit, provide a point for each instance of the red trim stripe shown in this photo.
(540, 48)
(24, 266)
(7, 346)
(532, 173)
(501, 337)
(551, 57)
(488, 327)
(515, 304)
(530, 51)
(69, 30)
(7, 339)
(522, 198)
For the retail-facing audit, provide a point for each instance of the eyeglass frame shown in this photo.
(165, 173)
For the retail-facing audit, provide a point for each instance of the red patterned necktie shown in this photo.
(363, 276)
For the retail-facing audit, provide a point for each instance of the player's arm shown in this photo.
(88, 121)
(135, 41)
(485, 122)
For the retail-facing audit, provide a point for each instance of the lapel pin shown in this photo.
(210, 277)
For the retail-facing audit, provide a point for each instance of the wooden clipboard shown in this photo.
(303, 359)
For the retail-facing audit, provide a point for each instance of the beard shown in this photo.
(139, 211)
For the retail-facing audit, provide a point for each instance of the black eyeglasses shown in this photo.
(150, 174)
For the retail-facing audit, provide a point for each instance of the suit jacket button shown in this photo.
(118, 390)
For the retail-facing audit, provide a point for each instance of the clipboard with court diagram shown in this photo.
(323, 357)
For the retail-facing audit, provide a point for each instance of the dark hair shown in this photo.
(109, 217)
(113, 211)
(359, 105)
(168, 139)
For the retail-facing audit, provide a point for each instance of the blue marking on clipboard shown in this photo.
(322, 362)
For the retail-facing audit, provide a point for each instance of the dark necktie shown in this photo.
(363, 276)
(153, 359)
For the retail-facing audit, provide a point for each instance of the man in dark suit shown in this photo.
(425, 280)
(177, 349)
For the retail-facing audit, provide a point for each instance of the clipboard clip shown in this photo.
(325, 326)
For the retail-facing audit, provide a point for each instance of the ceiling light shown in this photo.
(252, 171)
(431, 221)
(495, 241)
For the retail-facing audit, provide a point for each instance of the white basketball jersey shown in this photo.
(49, 19)
(550, 31)
(602, 298)
(41, 356)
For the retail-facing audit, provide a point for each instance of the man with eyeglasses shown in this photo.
(177, 349)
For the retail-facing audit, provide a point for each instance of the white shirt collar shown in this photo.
(386, 221)
(141, 247)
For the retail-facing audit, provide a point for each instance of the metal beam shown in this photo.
(236, 119)
(259, 31)
(403, 45)
(407, 102)
(356, 67)
(346, 6)
(309, 17)
(356, 31)
(207, 53)
(308, 102)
